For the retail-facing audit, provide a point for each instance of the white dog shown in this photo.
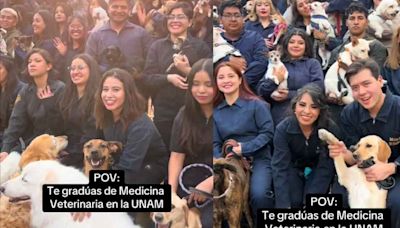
(319, 21)
(3, 44)
(9, 166)
(382, 18)
(29, 186)
(336, 86)
(274, 61)
(221, 47)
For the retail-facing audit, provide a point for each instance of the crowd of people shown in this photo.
(87, 69)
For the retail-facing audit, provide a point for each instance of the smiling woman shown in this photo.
(300, 161)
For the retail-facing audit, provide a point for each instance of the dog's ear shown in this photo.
(384, 151)
(325, 5)
(354, 41)
(115, 146)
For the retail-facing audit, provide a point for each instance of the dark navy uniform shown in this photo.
(144, 157)
(7, 105)
(357, 123)
(32, 116)
(300, 166)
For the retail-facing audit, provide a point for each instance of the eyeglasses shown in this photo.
(78, 68)
(232, 16)
(179, 17)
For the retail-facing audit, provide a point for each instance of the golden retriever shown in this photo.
(362, 193)
(180, 215)
(43, 147)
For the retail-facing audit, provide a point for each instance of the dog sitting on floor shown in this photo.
(362, 193)
(15, 214)
(180, 216)
(231, 188)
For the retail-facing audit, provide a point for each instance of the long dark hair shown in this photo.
(134, 105)
(47, 57)
(70, 95)
(244, 89)
(50, 29)
(12, 80)
(82, 42)
(319, 99)
(308, 52)
(193, 116)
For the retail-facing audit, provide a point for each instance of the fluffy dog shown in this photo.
(221, 47)
(280, 28)
(274, 61)
(24, 43)
(382, 18)
(29, 186)
(362, 193)
(336, 86)
(250, 10)
(231, 190)
(114, 56)
(15, 214)
(180, 215)
(98, 154)
(319, 21)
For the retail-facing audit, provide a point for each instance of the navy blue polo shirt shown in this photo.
(259, 28)
(357, 123)
(247, 121)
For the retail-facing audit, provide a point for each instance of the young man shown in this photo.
(8, 21)
(132, 40)
(374, 113)
(357, 24)
(250, 44)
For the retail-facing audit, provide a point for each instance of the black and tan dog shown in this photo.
(231, 189)
(99, 154)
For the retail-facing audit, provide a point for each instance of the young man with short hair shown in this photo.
(373, 113)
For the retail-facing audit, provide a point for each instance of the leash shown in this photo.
(194, 190)
(228, 189)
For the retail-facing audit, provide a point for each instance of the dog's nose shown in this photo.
(94, 152)
(355, 156)
(2, 189)
(352, 148)
(158, 217)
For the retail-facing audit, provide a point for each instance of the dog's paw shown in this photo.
(327, 136)
(378, 35)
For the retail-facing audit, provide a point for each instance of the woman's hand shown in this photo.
(181, 63)
(62, 49)
(177, 80)
(44, 93)
(282, 95)
(269, 43)
(341, 149)
(3, 156)
(206, 186)
(80, 216)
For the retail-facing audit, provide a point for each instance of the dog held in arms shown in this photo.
(362, 193)
(14, 213)
(221, 47)
(382, 18)
(231, 188)
(274, 61)
(336, 86)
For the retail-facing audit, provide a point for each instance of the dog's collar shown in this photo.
(385, 184)
(383, 17)
(228, 189)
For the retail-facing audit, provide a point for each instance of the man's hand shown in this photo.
(239, 62)
(177, 80)
(379, 171)
(237, 149)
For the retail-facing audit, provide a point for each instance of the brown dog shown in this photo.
(362, 193)
(180, 215)
(44, 147)
(231, 189)
(98, 154)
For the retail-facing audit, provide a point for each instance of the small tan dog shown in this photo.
(362, 193)
(43, 147)
(98, 154)
(180, 215)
